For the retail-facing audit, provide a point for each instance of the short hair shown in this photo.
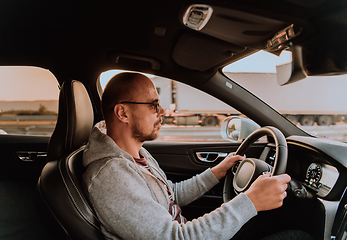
(119, 88)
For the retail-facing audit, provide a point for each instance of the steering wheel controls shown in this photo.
(300, 193)
(298, 190)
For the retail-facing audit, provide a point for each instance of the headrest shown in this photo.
(75, 120)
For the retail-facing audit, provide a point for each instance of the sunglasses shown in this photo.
(155, 104)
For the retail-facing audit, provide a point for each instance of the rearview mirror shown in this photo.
(292, 71)
(237, 128)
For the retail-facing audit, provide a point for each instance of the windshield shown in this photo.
(318, 104)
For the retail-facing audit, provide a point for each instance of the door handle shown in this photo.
(30, 156)
(210, 157)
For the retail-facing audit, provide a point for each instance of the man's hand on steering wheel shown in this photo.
(220, 170)
(267, 193)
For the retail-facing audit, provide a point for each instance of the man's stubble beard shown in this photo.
(139, 135)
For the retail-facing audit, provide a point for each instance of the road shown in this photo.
(201, 134)
(167, 132)
(336, 132)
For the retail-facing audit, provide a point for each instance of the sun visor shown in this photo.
(202, 52)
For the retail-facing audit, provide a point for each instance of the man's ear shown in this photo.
(120, 112)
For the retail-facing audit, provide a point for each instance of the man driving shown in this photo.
(131, 194)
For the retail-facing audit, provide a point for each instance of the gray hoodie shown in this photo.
(131, 203)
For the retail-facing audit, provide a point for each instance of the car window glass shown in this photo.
(317, 104)
(191, 115)
(28, 101)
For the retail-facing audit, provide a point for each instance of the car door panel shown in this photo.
(21, 162)
(182, 158)
(22, 157)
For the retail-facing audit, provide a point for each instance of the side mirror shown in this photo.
(237, 128)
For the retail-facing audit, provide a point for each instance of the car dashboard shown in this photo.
(321, 178)
(319, 166)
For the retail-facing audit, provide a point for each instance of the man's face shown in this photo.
(146, 121)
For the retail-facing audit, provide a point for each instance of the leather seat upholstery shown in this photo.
(62, 202)
(75, 120)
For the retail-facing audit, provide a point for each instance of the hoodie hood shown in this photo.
(101, 146)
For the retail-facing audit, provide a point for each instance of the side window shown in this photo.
(28, 101)
(191, 115)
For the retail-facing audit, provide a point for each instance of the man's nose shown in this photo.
(161, 111)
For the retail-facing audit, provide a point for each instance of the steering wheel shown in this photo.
(250, 168)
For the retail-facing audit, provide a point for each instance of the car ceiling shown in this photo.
(81, 39)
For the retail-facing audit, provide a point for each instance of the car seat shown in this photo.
(61, 202)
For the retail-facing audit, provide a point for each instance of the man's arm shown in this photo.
(127, 208)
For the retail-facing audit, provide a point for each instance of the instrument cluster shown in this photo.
(321, 178)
